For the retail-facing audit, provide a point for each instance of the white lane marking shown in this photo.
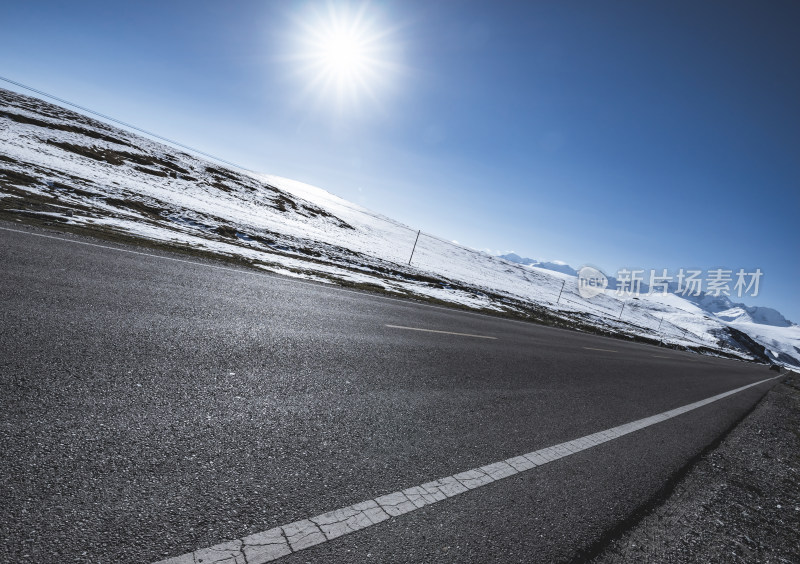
(280, 277)
(280, 541)
(195, 263)
(302, 282)
(443, 332)
(659, 356)
(594, 349)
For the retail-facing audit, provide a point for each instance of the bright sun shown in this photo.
(346, 54)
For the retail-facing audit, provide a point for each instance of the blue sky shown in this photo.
(619, 134)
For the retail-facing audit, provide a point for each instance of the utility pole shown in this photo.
(659, 324)
(620, 311)
(562, 289)
(415, 246)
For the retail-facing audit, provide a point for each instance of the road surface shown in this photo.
(154, 404)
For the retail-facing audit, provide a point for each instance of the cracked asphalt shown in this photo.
(151, 407)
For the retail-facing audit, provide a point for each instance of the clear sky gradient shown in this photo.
(618, 134)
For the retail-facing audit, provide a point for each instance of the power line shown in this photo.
(128, 125)
(173, 142)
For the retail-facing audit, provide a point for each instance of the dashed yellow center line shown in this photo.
(442, 332)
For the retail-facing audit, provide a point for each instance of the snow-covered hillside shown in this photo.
(60, 167)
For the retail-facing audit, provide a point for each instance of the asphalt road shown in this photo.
(151, 407)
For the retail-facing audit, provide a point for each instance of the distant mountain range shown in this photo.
(555, 266)
(721, 306)
(724, 308)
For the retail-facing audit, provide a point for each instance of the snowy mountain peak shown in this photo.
(727, 310)
(554, 265)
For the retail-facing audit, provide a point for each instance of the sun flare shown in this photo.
(346, 54)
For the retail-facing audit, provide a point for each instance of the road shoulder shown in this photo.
(739, 503)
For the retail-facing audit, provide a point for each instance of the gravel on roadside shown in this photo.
(739, 503)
